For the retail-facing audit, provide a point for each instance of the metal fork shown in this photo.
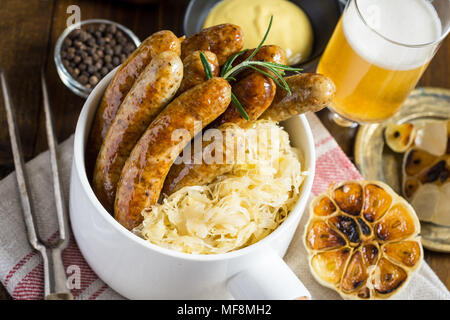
(55, 280)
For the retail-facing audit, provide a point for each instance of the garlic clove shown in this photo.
(432, 138)
(399, 137)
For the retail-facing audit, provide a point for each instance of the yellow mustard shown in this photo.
(291, 28)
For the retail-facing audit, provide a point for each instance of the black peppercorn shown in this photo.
(83, 79)
(93, 80)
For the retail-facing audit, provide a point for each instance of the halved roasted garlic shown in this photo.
(363, 240)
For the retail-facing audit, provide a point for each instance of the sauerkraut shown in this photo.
(238, 208)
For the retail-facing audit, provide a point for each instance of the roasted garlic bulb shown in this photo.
(363, 240)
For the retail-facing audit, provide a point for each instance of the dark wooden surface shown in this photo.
(29, 30)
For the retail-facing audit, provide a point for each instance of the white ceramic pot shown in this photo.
(138, 269)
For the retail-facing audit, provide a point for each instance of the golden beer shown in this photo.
(372, 85)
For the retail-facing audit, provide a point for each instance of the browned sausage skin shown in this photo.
(145, 170)
(151, 92)
(255, 92)
(224, 40)
(310, 92)
(194, 72)
(268, 53)
(121, 84)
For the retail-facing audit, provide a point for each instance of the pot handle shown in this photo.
(268, 279)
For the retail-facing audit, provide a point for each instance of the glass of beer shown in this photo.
(377, 54)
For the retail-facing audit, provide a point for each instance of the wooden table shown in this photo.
(29, 31)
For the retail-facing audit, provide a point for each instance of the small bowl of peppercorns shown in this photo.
(87, 51)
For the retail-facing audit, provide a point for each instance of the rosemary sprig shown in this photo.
(228, 64)
(209, 75)
(281, 83)
(275, 71)
(262, 41)
(206, 66)
(230, 61)
(279, 68)
(239, 107)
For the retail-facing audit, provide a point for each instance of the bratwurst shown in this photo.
(151, 92)
(267, 53)
(121, 84)
(224, 40)
(194, 72)
(144, 172)
(255, 93)
(310, 92)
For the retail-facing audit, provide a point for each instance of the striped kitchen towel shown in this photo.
(21, 269)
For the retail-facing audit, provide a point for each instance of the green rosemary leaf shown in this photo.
(278, 65)
(271, 76)
(239, 106)
(206, 66)
(227, 65)
(235, 70)
(262, 41)
(245, 64)
(275, 71)
(279, 76)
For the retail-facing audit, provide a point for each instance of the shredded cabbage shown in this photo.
(238, 208)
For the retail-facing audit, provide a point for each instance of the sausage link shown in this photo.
(194, 72)
(268, 53)
(151, 92)
(310, 92)
(224, 40)
(255, 92)
(144, 172)
(121, 84)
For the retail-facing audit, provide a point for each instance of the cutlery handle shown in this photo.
(55, 287)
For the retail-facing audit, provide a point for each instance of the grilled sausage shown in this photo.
(224, 40)
(310, 92)
(144, 172)
(268, 53)
(151, 92)
(194, 72)
(121, 84)
(255, 92)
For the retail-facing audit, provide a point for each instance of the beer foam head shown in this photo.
(409, 22)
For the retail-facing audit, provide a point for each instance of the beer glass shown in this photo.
(377, 54)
